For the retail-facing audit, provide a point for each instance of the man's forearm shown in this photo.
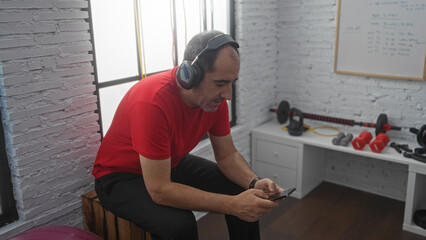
(237, 169)
(186, 197)
(249, 205)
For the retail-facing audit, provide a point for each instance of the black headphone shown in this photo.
(296, 128)
(189, 74)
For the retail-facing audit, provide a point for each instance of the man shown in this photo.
(144, 172)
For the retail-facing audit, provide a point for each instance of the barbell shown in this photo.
(381, 125)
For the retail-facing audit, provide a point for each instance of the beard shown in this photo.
(212, 105)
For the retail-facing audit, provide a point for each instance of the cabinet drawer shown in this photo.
(284, 177)
(276, 153)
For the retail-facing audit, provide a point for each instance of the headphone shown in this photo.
(189, 74)
(296, 128)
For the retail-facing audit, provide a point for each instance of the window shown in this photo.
(8, 211)
(137, 38)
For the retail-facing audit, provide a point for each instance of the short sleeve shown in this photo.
(149, 131)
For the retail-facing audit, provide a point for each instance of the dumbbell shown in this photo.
(379, 143)
(421, 135)
(364, 138)
(342, 139)
(336, 140)
(346, 140)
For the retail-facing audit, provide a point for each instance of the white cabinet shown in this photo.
(280, 154)
(300, 162)
(416, 198)
(277, 161)
(282, 160)
(284, 177)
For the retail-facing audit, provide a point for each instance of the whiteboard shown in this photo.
(383, 38)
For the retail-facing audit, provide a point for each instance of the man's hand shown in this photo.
(268, 186)
(251, 205)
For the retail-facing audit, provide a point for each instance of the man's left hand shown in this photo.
(268, 186)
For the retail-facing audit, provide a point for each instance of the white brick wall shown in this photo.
(48, 109)
(306, 79)
(257, 33)
(306, 33)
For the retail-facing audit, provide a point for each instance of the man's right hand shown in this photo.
(251, 205)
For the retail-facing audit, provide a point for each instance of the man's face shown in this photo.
(216, 86)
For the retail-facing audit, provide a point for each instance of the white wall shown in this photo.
(48, 106)
(257, 33)
(306, 79)
(306, 33)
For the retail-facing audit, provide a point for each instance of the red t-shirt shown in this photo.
(152, 120)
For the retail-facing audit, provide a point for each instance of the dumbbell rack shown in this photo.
(300, 162)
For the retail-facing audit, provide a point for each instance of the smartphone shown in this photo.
(282, 194)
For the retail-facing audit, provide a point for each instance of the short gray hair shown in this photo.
(197, 44)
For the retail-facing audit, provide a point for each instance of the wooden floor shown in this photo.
(328, 212)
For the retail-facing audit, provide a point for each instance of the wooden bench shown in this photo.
(105, 224)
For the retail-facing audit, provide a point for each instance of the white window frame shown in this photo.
(138, 69)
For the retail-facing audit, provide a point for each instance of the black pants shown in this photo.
(125, 195)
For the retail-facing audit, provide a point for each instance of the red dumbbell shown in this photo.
(379, 143)
(364, 138)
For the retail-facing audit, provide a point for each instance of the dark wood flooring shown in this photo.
(328, 212)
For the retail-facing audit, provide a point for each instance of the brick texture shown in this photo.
(48, 107)
(306, 33)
